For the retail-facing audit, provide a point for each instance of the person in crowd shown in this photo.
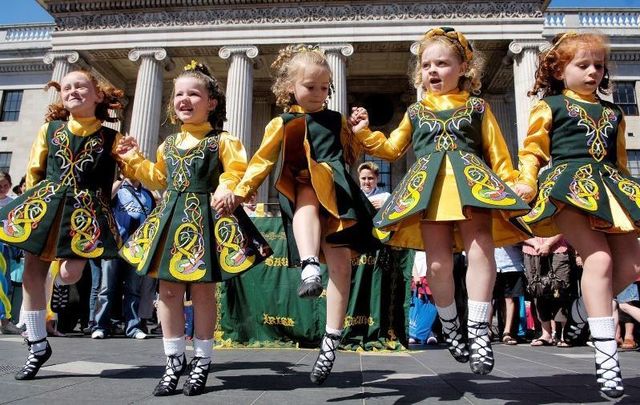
(509, 288)
(587, 193)
(131, 204)
(552, 282)
(450, 196)
(368, 174)
(186, 241)
(72, 163)
(7, 260)
(629, 315)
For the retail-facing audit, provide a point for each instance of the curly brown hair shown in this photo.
(564, 47)
(286, 67)
(201, 72)
(112, 100)
(475, 61)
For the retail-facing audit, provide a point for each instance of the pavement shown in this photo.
(121, 370)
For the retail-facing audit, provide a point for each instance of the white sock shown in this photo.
(310, 270)
(478, 313)
(605, 328)
(448, 317)
(203, 348)
(331, 331)
(174, 346)
(328, 344)
(36, 322)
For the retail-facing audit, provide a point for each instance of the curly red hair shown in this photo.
(112, 100)
(564, 47)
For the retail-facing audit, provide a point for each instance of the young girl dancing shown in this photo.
(184, 241)
(322, 206)
(65, 211)
(587, 193)
(450, 193)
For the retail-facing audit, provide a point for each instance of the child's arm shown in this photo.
(234, 164)
(535, 152)
(37, 166)
(376, 143)
(494, 148)
(621, 148)
(134, 166)
(263, 161)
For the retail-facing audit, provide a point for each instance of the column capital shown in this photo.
(249, 51)
(339, 48)
(53, 56)
(159, 54)
(517, 47)
(414, 48)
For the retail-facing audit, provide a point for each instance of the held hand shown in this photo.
(544, 249)
(359, 119)
(126, 144)
(377, 203)
(223, 200)
(524, 191)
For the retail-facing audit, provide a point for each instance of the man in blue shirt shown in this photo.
(131, 204)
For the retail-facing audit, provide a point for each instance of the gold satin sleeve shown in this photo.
(535, 152)
(495, 150)
(152, 175)
(392, 148)
(621, 148)
(234, 160)
(37, 166)
(263, 160)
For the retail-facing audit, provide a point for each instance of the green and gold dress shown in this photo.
(65, 212)
(311, 148)
(584, 139)
(184, 239)
(453, 135)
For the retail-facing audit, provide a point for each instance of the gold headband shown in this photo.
(568, 34)
(453, 35)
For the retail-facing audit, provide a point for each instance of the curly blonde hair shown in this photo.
(201, 72)
(458, 43)
(287, 66)
(564, 47)
(112, 100)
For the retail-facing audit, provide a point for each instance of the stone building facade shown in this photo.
(139, 45)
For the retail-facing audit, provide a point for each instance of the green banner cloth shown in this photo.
(261, 308)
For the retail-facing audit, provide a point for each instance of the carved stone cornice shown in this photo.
(248, 51)
(83, 15)
(628, 56)
(25, 68)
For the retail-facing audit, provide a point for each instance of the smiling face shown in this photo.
(311, 86)
(79, 95)
(441, 68)
(584, 72)
(191, 100)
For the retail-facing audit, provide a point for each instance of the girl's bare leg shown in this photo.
(306, 230)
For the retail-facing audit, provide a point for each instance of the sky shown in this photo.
(29, 11)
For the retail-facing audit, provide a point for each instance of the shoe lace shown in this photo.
(610, 377)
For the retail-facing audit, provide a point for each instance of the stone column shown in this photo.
(525, 58)
(239, 90)
(337, 57)
(146, 111)
(504, 116)
(414, 51)
(261, 117)
(62, 64)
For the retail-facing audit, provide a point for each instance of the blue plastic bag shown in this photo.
(422, 315)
